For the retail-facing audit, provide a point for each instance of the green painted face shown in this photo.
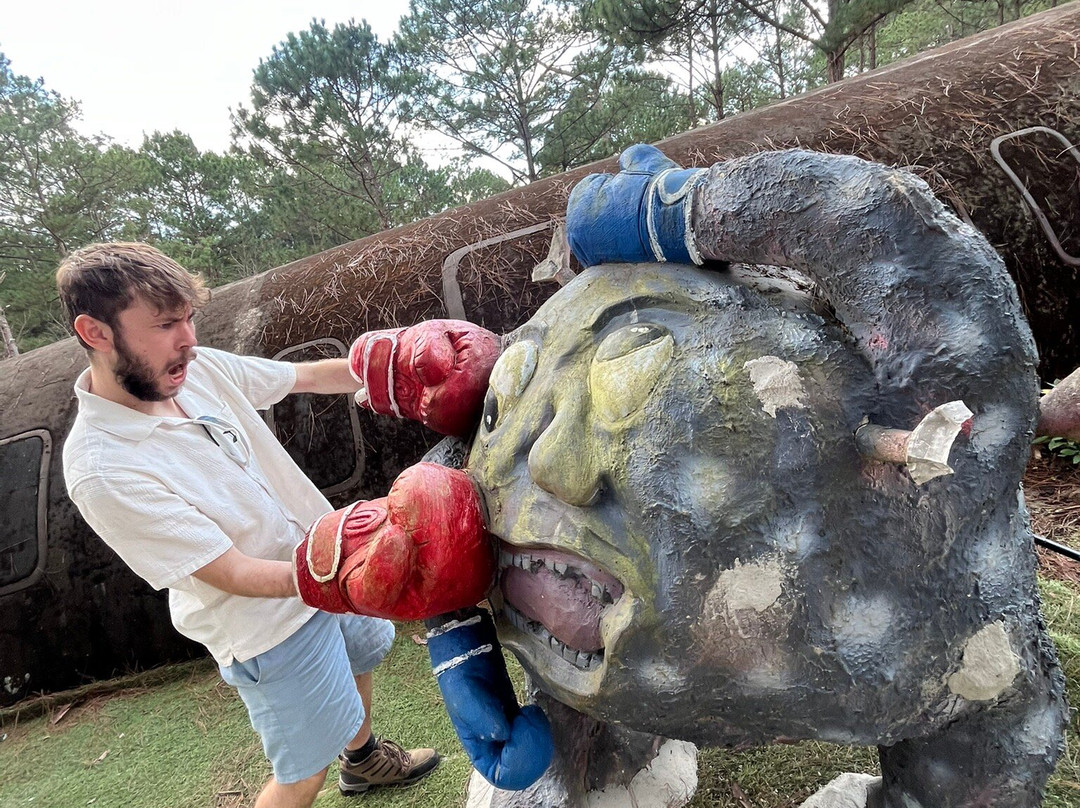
(621, 456)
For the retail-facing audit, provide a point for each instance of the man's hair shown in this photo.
(102, 280)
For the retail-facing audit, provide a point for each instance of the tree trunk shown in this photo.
(718, 74)
(834, 50)
(834, 61)
(11, 350)
(7, 341)
(690, 95)
(781, 76)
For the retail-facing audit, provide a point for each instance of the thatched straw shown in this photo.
(1052, 491)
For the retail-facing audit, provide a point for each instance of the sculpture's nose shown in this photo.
(563, 460)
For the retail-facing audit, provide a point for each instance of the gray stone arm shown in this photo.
(924, 296)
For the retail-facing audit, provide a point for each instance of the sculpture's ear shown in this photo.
(924, 296)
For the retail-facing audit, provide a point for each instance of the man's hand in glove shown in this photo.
(435, 372)
(420, 551)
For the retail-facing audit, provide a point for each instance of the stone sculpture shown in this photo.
(711, 524)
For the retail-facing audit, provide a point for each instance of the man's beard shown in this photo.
(136, 376)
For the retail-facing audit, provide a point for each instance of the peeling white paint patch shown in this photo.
(1041, 731)
(989, 665)
(669, 781)
(993, 557)
(754, 586)
(772, 676)
(797, 535)
(776, 383)
(848, 790)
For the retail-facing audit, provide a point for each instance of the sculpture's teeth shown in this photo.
(579, 659)
(532, 563)
(518, 619)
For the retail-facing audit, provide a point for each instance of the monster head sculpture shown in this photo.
(693, 541)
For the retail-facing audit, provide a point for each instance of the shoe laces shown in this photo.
(398, 755)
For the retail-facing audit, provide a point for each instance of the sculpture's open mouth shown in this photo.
(558, 598)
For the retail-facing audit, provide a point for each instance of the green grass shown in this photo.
(188, 744)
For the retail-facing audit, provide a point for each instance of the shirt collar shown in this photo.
(116, 419)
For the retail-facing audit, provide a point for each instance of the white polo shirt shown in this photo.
(169, 498)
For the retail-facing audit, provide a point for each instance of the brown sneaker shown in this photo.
(387, 765)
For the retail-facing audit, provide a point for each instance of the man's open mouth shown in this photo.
(558, 598)
(177, 371)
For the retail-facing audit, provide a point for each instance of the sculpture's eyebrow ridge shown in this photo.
(599, 318)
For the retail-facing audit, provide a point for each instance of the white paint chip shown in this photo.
(989, 665)
(849, 790)
(669, 781)
(754, 586)
(776, 383)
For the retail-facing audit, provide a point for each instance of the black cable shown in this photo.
(1068, 552)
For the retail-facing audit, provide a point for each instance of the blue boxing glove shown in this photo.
(510, 746)
(640, 214)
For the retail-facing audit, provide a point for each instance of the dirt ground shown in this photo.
(1052, 491)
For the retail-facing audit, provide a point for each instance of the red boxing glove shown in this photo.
(418, 552)
(435, 372)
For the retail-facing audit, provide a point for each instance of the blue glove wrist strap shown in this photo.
(668, 207)
(459, 640)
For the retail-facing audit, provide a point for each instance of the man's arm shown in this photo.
(240, 574)
(325, 376)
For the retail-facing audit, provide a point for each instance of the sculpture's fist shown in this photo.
(420, 551)
(435, 372)
(510, 746)
(640, 214)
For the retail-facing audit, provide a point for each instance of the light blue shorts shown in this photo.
(301, 694)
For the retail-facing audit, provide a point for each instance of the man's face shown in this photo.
(152, 350)
(628, 460)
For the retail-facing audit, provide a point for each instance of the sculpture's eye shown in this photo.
(509, 378)
(491, 411)
(626, 367)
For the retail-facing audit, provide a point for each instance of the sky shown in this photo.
(140, 67)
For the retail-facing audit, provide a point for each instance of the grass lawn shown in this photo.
(187, 744)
